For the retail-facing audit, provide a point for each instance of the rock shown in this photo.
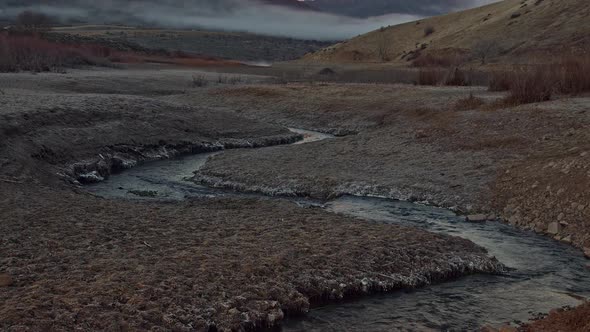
(554, 228)
(587, 252)
(6, 280)
(476, 218)
(567, 239)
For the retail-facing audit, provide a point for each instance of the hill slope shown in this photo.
(515, 28)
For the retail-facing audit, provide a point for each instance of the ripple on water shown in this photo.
(545, 274)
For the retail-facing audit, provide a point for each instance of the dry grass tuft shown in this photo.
(470, 103)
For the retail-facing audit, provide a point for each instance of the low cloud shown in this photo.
(230, 15)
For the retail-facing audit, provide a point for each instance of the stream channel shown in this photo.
(544, 274)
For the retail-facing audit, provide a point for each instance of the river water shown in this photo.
(544, 274)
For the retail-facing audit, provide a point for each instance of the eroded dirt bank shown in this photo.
(527, 164)
(74, 261)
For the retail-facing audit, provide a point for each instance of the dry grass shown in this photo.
(451, 77)
(499, 81)
(533, 84)
(255, 91)
(573, 75)
(540, 31)
(530, 85)
(31, 53)
(469, 103)
(429, 77)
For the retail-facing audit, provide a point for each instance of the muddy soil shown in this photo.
(73, 261)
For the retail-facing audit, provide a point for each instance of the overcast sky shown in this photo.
(240, 15)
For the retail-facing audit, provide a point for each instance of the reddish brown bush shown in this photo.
(572, 75)
(500, 81)
(456, 77)
(531, 85)
(31, 53)
(429, 77)
(537, 83)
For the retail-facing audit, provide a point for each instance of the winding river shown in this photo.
(544, 274)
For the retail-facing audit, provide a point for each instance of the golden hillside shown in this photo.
(513, 28)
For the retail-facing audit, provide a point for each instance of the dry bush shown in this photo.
(429, 77)
(531, 85)
(428, 31)
(500, 81)
(469, 103)
(537, 83)
(573, 75)
(31, 53)
(456, 77)
(452, 77)
(199, 81)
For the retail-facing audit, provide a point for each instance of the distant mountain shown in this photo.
(509, 29)
(367, 8)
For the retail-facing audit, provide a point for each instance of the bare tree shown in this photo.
(485, 49)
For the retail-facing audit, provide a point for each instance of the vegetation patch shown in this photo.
(538, 83)
(469, 103)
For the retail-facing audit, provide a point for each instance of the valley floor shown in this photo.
(71, 260)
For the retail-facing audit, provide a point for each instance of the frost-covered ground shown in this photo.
(71, 260)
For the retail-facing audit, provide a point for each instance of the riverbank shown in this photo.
(75, 261)
(527, 164)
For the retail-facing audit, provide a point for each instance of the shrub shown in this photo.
(429, 77)
(428, 31)
(573, 75)
(500, 81)
(456, 77)
(31, 53)
(468, 103)
(530, 85)
(200, 81)
(538, 83)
